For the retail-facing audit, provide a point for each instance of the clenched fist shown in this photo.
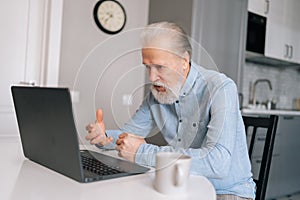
(128, 144)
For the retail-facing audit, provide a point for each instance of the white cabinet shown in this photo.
(293, 25)
(276, 44)
(282, 29)
(260, 7)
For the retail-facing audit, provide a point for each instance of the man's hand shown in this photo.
(128, 144)
(96, 131)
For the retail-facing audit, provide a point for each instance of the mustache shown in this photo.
(167, 87)
(160, 84)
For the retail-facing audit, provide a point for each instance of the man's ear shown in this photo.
(186, 58)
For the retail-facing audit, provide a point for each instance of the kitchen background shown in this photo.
(47, 42)
(285, 84)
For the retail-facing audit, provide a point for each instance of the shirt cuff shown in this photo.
(113, 133)
(145, 154)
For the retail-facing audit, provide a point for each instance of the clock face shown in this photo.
(109, 16)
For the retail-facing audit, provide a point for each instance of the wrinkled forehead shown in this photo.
(161, 43)
(159, 56)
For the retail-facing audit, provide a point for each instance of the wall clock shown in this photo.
(110, 16)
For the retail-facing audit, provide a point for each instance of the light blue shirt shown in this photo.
(204, 123)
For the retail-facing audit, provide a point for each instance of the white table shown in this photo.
(24, 179)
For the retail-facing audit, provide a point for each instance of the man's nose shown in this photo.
(153, 74)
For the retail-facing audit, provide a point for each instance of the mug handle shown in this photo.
(179, 175)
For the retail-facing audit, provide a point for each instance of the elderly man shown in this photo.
(195, 109)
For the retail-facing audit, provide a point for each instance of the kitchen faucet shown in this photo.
(253, 101)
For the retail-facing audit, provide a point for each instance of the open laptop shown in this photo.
(49, 137)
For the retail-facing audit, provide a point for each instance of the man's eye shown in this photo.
(147, 66)
(159, 67)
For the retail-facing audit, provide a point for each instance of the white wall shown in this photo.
(220, 28)
(12, 58)
(104, 69)
(24, 52)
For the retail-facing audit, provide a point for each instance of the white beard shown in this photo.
(167, 97)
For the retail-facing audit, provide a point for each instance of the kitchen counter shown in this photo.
(246, 111)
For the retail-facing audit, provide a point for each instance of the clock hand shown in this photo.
(108, 17)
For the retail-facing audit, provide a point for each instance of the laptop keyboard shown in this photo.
(93, 165)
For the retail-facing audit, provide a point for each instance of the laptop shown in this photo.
(49, 137)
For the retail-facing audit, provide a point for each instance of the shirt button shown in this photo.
(179, 140)
(194, 124)
(180, 120)
(177, 101)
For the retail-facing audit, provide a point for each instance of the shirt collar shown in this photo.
(190, 80)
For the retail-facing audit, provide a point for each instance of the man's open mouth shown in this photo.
(159, 88)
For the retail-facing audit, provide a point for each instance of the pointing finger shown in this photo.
(99, 116)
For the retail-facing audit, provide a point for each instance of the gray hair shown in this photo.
(174, 38)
